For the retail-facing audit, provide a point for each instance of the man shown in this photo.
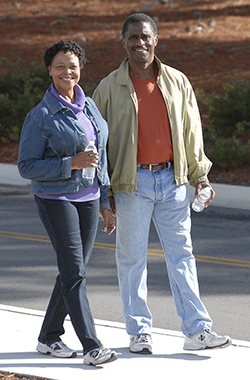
(155, 143)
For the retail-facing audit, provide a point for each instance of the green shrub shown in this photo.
(228, 133)
(229, 109)
(21, 88)
(228, 153)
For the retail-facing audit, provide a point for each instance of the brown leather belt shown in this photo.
(160, 166)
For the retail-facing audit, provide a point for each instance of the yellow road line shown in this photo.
(21, 234)
(151, 252)
(208, 259)
(17, 235)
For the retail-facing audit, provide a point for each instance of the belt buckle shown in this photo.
(168, 163)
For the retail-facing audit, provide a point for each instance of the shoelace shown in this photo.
(141, 338)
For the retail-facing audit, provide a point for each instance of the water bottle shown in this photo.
(199, 203)
(89, 172)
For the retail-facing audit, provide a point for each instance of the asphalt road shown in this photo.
(221, 239)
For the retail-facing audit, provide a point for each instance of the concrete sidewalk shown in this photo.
(18, 338)
(226, 195)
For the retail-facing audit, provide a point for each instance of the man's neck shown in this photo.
(143, 70)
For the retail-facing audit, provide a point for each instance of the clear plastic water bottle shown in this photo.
(199, 203)
(89, 172)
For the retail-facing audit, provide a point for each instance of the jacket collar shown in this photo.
(123, 71)
(54, 105)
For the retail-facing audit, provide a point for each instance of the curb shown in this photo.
(9, 175)
(226, 195)
(110, 324)
(98, 322)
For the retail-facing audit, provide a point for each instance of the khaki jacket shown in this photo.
(116, 99)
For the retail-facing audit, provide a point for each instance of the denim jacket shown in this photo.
(50, 135)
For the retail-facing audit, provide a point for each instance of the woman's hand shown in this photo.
(108, 220)
(84, 160)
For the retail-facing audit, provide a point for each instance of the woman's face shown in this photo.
(65, 72)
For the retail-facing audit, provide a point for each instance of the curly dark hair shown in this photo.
(65, 46)
(138, 17)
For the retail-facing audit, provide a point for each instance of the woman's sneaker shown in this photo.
(206, 339)
(58, 349)
(100, 355)
(141, 344)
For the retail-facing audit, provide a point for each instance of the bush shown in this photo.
(21, 88)
(227, 136)
(229, 109)
(228, 153)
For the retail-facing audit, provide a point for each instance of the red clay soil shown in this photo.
(13, 376)
(207, 40)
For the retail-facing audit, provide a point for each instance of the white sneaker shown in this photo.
(206, 339)
(58, 349)
(100, 355)
(141, 344)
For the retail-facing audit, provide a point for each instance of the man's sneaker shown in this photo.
(100, 355)
(206, 339)
(58, 349)
(141, 344)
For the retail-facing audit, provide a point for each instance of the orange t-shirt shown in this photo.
(154, 133)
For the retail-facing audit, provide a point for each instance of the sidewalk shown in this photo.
(19, 329)
(18, 338)
(226, 195)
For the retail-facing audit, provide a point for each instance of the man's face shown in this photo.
(140, 42)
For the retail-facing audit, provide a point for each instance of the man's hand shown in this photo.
(108, 220)
(201, 185)
(112, 203)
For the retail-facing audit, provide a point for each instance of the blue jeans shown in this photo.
(159, 199)
(72, 228)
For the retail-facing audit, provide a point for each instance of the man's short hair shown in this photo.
(138, 17)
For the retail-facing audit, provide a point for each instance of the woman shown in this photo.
(51, 154)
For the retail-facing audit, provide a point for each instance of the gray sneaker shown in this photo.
(58, 349)
(100, 355)
(206, 339)
(141, 344)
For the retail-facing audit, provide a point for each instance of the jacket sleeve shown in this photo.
(198, 164)
(31, 162)
(100, 98)
(97, 97)
(104, 201)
